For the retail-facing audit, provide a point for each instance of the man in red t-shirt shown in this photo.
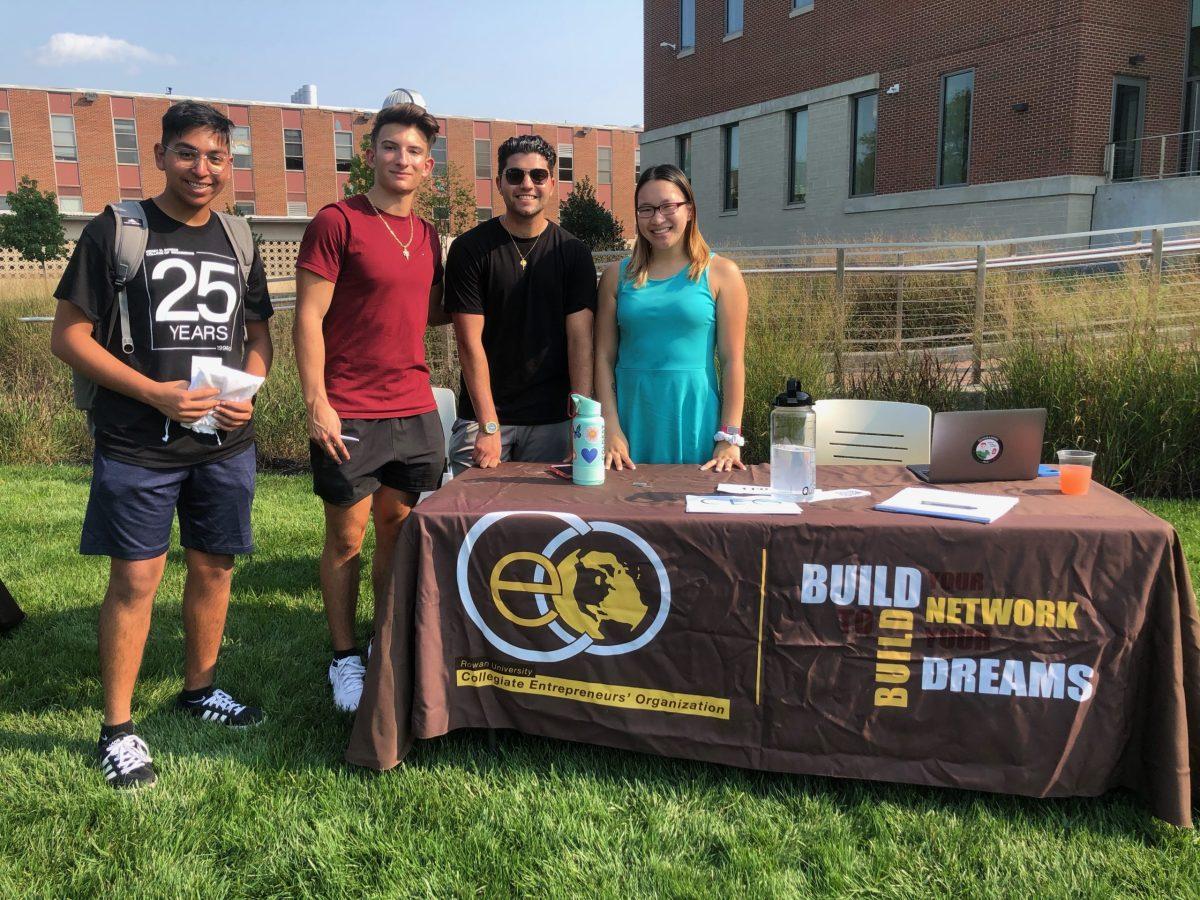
(368, 281)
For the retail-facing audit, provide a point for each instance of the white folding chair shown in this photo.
(872, 432)
(446, 411)
(446, 405)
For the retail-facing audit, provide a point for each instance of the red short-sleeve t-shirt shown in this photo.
(375, 327)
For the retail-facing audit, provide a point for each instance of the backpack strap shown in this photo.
(129, 250)
(237, 230)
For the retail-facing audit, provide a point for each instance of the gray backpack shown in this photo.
(129, 249)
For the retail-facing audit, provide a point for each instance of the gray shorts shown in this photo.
(518, 443)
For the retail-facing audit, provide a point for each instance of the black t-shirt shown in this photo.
(187, 300)
(524, 328)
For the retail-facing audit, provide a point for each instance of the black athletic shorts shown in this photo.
(406, 454)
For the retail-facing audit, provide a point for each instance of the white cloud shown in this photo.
(66, 48)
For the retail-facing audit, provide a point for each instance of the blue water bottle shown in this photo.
(587, 440)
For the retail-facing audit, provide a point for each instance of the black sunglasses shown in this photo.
(515, 176)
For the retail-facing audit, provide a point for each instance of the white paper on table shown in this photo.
(746, 506)
(233, 384)
(756, 490)
(981, 508)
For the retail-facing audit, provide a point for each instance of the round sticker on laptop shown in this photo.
(988, 449)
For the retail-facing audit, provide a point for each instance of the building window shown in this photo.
(3, 203)
(637, 164)
(801, 6)
(566, 162)
(293, 150)
(798, 156)
(683, 154)
(604, 165)
(954, 154)
(440, 167)
(244, 207)
(343, 150)
(70, 204)
(5, 136)
(297, 208)
(239, 146)
(62, 129)
(729, 144)
(862, 173)
(483, 158)
(125, 132)
(483, 213)
(733, 17)
(687, 24)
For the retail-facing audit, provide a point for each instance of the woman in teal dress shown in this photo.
(664, 315)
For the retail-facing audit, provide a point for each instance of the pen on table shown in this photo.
(947, 505)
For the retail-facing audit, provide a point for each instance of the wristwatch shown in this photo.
(490, 427)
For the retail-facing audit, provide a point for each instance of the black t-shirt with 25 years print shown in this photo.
(188, 299)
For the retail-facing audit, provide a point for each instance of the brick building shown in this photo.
(818, 118)
(93, 147)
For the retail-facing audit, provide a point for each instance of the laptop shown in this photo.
(984, 445)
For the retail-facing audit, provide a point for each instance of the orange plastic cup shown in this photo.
(1075, 471)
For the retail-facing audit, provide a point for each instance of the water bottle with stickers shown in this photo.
(794, 445)
(587, 440)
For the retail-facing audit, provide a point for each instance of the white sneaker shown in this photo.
(346, 676)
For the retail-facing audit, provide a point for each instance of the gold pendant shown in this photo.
(406, 254)
(522, 265)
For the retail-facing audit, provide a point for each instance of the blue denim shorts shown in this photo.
(131, 507)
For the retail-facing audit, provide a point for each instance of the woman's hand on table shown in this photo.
(726, 457)
(616, 451)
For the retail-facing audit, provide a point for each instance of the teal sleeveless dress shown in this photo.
(668, 399)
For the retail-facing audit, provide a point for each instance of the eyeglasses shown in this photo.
(646, 211)
(515, 176)
(189, 155)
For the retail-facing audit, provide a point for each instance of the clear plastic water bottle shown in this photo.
(587, 441)
(794, 445)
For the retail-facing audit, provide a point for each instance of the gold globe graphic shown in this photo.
(589, 591)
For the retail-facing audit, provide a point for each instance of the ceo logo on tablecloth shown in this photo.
(581, 593)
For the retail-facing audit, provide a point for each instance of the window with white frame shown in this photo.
(566, 162)
(239, 146)
(6, 151)
(440, 159)
(483, 213)
(244, 207)
(70, 204)
(604, 165)
(293, 150)
(343, 150)
(62, 131)
(297, 208)
(483, 158)
(125, 134)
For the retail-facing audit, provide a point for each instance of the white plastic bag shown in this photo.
(234, 384)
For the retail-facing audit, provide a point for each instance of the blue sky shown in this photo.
(574, 61)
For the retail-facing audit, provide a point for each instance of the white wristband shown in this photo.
(736, 439)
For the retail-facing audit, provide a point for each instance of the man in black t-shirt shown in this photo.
(188, 300)
(522, 292)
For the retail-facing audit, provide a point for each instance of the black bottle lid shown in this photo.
(793, 396)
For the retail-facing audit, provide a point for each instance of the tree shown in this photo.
(362, 176)
(447, 199)
(34, 229)
(587, 218)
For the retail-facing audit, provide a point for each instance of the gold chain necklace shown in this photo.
(517, 246)
(403, 246)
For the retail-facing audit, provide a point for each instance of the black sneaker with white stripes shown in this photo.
(125, 761)
(217, 706)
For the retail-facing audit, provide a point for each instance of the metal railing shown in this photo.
(1153, 157)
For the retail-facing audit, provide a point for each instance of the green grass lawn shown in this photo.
(275, 812)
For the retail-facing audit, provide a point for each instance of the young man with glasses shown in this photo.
(187, 301)
(522, 292)
(368, 281)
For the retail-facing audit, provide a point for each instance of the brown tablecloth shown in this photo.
(1053, 653)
